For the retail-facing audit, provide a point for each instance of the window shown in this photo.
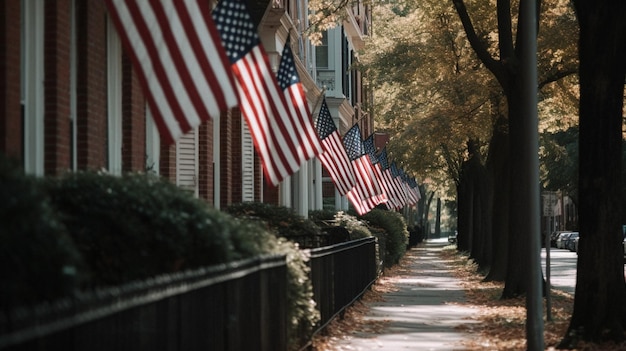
(321, 52)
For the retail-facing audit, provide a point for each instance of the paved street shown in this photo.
(562, 269)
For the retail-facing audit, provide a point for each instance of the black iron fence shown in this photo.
(341, 273)
(238, 306)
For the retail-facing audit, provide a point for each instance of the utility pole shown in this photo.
(530, 167)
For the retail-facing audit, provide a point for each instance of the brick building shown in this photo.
(71, 101)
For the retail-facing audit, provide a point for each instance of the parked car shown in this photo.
(560, 241)
(555, 235)
(571, 241)
(452, 237)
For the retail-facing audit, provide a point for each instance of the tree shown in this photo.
(431, 94)
(600, 299)
(502, 60)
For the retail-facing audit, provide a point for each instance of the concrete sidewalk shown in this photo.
(421, 313)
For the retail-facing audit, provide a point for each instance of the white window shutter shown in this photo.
(247, 164)
(187, 162)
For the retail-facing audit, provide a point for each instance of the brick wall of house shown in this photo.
(236, 156)
(10, 106)
(225, 158)
(133, 120)
(57, 119)
(262, 192)
(167, 164)
(91, 122)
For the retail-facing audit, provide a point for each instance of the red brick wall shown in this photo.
(57, 122)
(225, 158)
(133, 120)
(10, 106)
(236, 156)
(167, 164)
(258, 178)
(91, 122)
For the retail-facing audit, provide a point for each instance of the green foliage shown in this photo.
(286, 224)
(327, 218)
(38, 260)
(319, 216)
(136, 226)
(559, 161)
(391, 228)
(130, 228)
(357, 228)
(279, 219)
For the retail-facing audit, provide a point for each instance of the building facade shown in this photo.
(71, 101)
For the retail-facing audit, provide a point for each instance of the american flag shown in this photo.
(370, 150)
(415, 187)
(179, 59)
(397, 175)
(334, 157)
(262, 102)
(413, 196)
(308, 143)
(397, 192)
(367, 187)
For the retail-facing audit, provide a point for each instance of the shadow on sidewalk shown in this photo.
(419, 310)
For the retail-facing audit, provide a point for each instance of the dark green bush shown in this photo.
(136, 226)
(286, 224)
(395, 233)
(320, 216)
(38, 260)
(281, 220)
(131, 228)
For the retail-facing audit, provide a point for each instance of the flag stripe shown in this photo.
(310, 141)
(176, 70)
(205, 76)
(334, 158)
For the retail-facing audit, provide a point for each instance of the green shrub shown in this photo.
(252, 239)
(38, 260)
(357, 228)
(395, 233)
(281, 220)
(321, 216)
(136, 226)
(286, 224)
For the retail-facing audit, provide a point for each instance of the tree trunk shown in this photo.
(438, 219)
(600, 298)
(516, 283)
(465, 215)
(498, 166)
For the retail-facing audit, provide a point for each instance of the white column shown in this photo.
(284, 192)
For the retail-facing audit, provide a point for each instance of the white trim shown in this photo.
(32, 76)
(114, 99)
